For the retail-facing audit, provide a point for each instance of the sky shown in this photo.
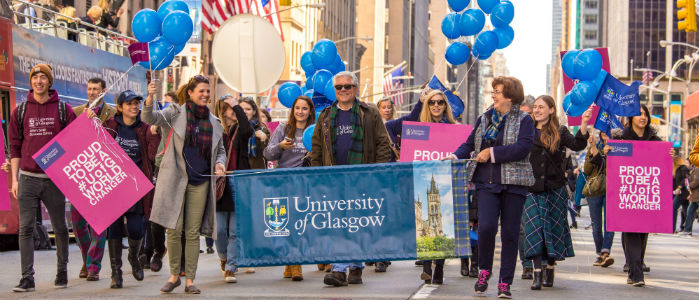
(530, 51)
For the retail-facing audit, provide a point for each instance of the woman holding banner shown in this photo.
(634, 243)
(546, 231)
(136, 139)
(187, 203)
(286, 147)
(236, 132)
(502, 173)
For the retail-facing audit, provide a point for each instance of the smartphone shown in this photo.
(288, 139)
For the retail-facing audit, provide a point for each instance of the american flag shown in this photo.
(392, 88)
(218, 11)
(647, 76)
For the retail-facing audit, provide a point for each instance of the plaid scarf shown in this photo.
(354, 157)
(491, 134)
(199, 129)
(252, 142)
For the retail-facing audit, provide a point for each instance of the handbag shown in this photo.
(221, 180)
(596, 186)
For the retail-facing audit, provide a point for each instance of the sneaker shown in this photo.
(684, 233)
(229, 277)
(639, 283)
(336, 279)
(598, 262)
(629, 280)
(25, 285)
(607, 261)
(380, 267)
(61, 280)
(209, 250)
(482, 283)
(646, 269)
(504, 291)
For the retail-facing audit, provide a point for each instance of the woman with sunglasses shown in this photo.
(499, 147)
(236, 132)
(185, 198)
(286, 147)
(545, 217)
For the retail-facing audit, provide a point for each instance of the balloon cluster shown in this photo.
(471, 22)
(320, 65)
(586, 67)
(166, 32)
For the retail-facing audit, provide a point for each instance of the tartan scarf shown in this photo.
(199, 129)
(252, 142)
(354, 157)
(491, 134)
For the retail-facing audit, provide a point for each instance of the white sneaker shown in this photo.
(249, 270)
(229, 277)
(687, 234)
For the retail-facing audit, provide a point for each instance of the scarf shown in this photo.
(199, 129)
(491, 134)
(354, 157)
(252, 142)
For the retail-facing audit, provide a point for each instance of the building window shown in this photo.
(590, 35)
(658, 98)
(590, 19)
(591, 4)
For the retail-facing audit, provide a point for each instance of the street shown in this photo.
(673, 261)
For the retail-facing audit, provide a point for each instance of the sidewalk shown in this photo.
(674, 263)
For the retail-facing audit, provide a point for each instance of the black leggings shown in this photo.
(537, 260)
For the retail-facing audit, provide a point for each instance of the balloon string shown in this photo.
(101, 96)
(466, 75)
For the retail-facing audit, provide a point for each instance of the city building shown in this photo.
(589, 25)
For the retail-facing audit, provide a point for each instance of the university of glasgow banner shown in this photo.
(348, 214)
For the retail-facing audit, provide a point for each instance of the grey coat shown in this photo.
(172, 177)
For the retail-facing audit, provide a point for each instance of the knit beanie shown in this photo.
(42, 68)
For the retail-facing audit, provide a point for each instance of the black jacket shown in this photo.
(549, 168)
(240, 144)
(681, 173)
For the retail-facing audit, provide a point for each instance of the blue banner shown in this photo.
(457, 105)
(349, 214)
(73, 65)
(618, 98)
(606, 122)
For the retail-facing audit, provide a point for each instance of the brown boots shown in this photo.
(294, 272)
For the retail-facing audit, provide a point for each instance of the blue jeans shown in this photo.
(603, 243)
(225, 244)
(678, 202)
(135, 226)
(343, 267)
(689, 222)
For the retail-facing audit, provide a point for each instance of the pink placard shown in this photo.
(431, 141)
(639, 187)
(93, 172)
(4, 197)
(272, 126)
(568, 84)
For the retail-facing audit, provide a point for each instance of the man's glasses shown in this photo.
(348, 87)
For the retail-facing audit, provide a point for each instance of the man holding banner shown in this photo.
(33, 124)
(348, 132)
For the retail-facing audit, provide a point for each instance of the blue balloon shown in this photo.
(329, 91)
(457, 53)
(309, 94)
(161, 54)
(146, 25)
(320, 80)
(324, 53)
(486, 43)
(505, 36)
(450, 26)
(458, 5)
(599, 80)
(304, 89)
(288, 92)
(309, 82)
(587, 64)
(308, 137)
(583, 93)
(502, 14)
(337, 66)
(471, 22)
(567, 64)
(177, 27)
(179, 48)
(169, 6)
(572, 109)
(307, 63)
(487, 5)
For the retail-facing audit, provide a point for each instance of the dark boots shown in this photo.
(474, 263)
(464, 267)
(548, 277)
(536, 285)
(115, 261)
(134, 251)
(430, 277)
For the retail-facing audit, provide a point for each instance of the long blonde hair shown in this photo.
(95, 13)
(68, 11)
(103, 4)
(426, 116)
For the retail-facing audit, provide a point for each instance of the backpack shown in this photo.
(42, 241)
(22, 108)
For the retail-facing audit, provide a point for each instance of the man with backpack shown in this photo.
(33, 124)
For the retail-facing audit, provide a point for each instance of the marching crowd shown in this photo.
(521, 170)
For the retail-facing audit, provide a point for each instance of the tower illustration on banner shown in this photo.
(432, 226)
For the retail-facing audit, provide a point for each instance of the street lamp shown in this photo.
(374, 67)
(664, 43)
(308, 5)
(366, 38)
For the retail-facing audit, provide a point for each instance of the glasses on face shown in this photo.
(436, 102)
(348, 87)
(495, 92)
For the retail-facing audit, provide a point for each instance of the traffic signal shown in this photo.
(686, 15)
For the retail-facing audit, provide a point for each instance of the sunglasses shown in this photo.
(200, 78)
(348, 87)
(436, 102)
